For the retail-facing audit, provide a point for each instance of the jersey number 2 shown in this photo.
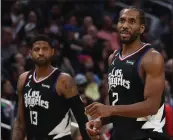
(33, 117)
(115, 96)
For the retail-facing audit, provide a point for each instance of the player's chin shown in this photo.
(41, 63)
(125, 41)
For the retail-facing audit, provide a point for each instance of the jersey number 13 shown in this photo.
(33, 117)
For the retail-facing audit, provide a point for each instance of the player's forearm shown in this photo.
(136, 110)
(18, 131)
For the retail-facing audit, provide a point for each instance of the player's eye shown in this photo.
(36, 49)
(45, 48)
(121, 20)
(132, 21)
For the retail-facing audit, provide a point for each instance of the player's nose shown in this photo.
(40, 52)
(125, 25)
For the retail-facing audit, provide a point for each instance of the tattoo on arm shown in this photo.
(69, 86)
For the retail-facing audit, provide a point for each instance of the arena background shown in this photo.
(84, 34)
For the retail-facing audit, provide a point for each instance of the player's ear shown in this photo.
(30, 52)
(53, 52)
(142, 28)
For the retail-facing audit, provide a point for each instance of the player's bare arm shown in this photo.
(153, 67)
(66, 86)
(18, 132)
(68, 89)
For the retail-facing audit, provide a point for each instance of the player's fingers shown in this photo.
(91, 111)
(97, 130)
(91, 105)
(93, 114)
(97, 137)
(90, 130)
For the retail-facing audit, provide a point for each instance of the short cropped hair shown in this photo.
(41, 37)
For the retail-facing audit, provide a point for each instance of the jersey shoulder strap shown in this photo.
(114, 55)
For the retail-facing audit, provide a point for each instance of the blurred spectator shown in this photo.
(169, 72)
(111, 9)
(169, 67)
(7, 48)
(108, 33)
(17, 18)
(92, 89)
(159, 46)
(19, 59)
(167, 39)
(88, 21)
(82, 83)
(8, 101)
(63, 63)
(31, 23)
(71, 46)
(92, 30)
(7, 91)
(55, 14)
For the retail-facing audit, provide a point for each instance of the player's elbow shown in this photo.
(153, 105)
(154, 109)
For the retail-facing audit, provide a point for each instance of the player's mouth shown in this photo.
(41, 58)
(125, 34)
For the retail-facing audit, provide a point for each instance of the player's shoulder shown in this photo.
(153, 60)
(24, 75)
(65, 76)
(153, 56)
(112, 56)
(22, 79)
(65, 80)
(64, 83)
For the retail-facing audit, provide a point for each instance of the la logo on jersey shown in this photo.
(33, 98)
(115, 78)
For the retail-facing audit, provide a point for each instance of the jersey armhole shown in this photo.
(139, 64)
(114, 53)
(56, 80)
(24, 83)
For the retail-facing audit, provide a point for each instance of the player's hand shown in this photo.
(93, 129)
(98, 110)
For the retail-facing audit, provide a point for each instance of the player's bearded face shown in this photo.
(127, 37)
(42, 53)
(129, 26)
(42, 60)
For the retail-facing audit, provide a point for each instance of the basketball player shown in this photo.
(136, 83)
(46, 96)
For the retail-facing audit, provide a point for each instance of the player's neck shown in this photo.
(130, 48)
(42, 72)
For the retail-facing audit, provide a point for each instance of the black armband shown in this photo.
(78, 110)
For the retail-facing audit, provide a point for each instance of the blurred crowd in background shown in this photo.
(84, 35)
